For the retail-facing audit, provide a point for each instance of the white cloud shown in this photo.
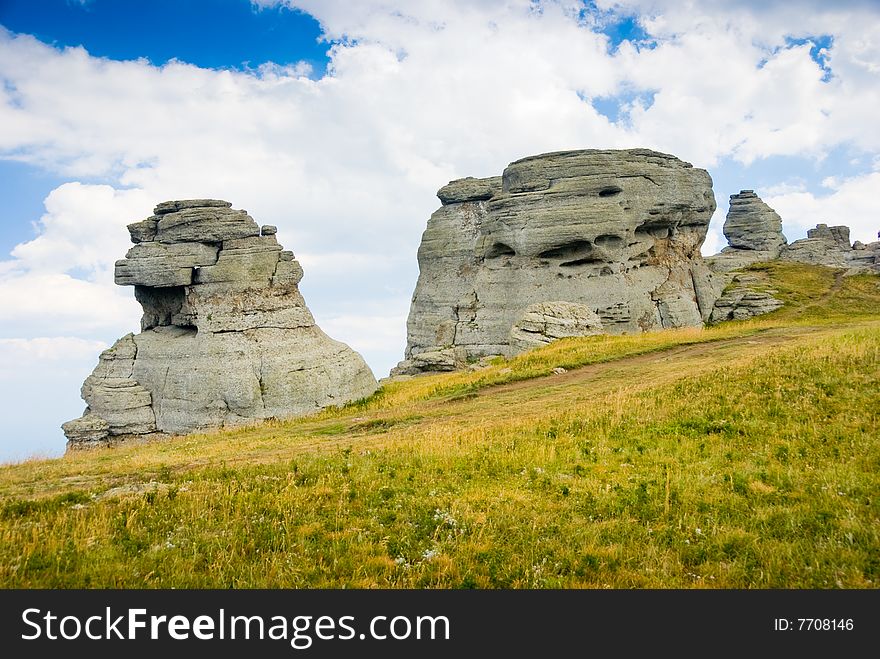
(61, 282)
(68, 351)
(853, 202)
(715, 239)
(378, 338)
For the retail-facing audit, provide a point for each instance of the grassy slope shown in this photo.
(744, 455)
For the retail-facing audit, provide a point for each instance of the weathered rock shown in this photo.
(226, 337)
(865, 257)
(752, 224)
(180, 204)
(212, 224)
(87, 431)
(544, 322)
(143, 231)
(243, 262)
(618, 232)
(431, 360)
(747, 296)
(159, 265)
(828, 246)
(753, 231)
(469, 189)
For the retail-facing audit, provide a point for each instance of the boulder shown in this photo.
(88, 431)
(616, 232)
(226, 340)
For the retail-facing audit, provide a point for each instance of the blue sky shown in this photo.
(232, 34)
(214, 34)
(338, 121)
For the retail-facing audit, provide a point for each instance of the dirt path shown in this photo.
(555, 393)
(771, 337)
(525, 401)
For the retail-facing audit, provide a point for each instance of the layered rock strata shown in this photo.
(544, 322)
(753, 231)
(609, 239)
(226, 338)
(747, 296)
(830, 246)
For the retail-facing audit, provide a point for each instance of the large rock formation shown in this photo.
(753, 231)
(226, 336)
(605, 240)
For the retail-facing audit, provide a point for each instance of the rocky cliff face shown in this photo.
(226, 336)
(601, 241)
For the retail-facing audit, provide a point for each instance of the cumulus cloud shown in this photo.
(415, 94)
(851, 201)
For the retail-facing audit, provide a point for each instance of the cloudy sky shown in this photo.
(338, 121)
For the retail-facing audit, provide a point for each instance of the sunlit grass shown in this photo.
(743, 455)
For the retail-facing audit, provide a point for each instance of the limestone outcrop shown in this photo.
(753, 231)
(746, 297)
(226, 338)
(830, 246)
(754, 234)
(610, 240)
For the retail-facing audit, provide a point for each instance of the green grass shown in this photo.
(743, 455)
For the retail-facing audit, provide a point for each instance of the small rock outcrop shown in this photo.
(226, 338)
(746, 297)
(753, 231)
(865, 257)
(830, 246)
(573, 242)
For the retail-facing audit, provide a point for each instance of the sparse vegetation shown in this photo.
(743, 455)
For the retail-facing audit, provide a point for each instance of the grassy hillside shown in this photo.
(743, 455)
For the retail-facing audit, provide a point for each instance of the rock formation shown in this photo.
(830, 246)
(599, 240)
(747, 297)
(226, 336)
(865, 257)
(753, 231)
